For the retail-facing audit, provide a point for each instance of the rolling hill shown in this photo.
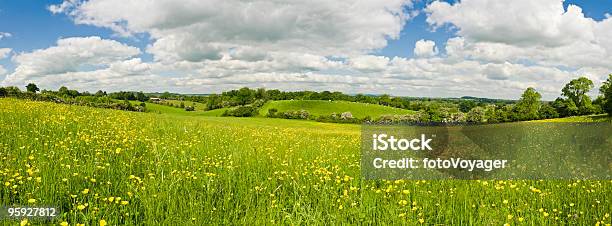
(163, 109)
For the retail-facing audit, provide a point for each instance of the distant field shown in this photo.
(215, 113)
(323, 107)
(163, 109)
(587, 118)
(198, 106)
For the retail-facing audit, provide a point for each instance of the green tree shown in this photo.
(166, 95)
(140, 96)
(576, 91)
(548, 111)
(606, 92)
(477, 115)
(12, 91)
(63, 90)
(384, 99)
(214, 102)
(100, 93)
(494, 114)
(466, 105)
(32, 88)
(3, 92)
(245, 96)
(261, 94)
(529, 105)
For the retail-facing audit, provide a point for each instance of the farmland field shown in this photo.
(196, 105)
(323, 107)
(175, 169)
(163, 109)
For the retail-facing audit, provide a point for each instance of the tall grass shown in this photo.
(138, 168)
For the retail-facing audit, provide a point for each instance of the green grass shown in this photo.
(586, 118)
(214, 113)
(323, 107)
(163, 109)
(180, 169)
(198, 106)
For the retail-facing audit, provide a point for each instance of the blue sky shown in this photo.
(32, 26)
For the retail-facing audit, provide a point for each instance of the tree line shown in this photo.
(574, 101)
(118, 100)
(245, 102)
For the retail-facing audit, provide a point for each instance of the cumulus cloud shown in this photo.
(69, 55)
(542, 32)
(520, 22)
(61, 8)
(369, 63)
(5, 35)
(199, 30)
(425, 48)
(500, 47)
(4, 52)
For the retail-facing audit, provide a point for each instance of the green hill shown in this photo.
(323, 107)
(196, 105)
(163, 109)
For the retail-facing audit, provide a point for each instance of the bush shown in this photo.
(301, 114)
(476, 115)
(189, 108)
(346, 116)
(272, 112)
(242, 111)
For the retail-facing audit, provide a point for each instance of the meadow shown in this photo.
(117, 167)
(163, 109)
(198, 106)
(584, 118)
(323, 107)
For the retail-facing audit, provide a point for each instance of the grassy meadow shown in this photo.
(118, 167)
(163, 109)
(323, 107)
(198, 106)
(588, 118)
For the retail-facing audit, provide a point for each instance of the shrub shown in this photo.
(301, 114)
(242, 111)
(346, 116)
(272, 112)
(189, 108)
(476, 115)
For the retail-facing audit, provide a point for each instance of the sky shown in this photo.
(485, 48)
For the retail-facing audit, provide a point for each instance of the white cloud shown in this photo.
(199, 30)
(425, 48)
(369, 63)
(4, 52)
(540, 32)
(69, 55)
(501, 48)
(2, 70)
(61, 8)
(5, 35)
(519, 22)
